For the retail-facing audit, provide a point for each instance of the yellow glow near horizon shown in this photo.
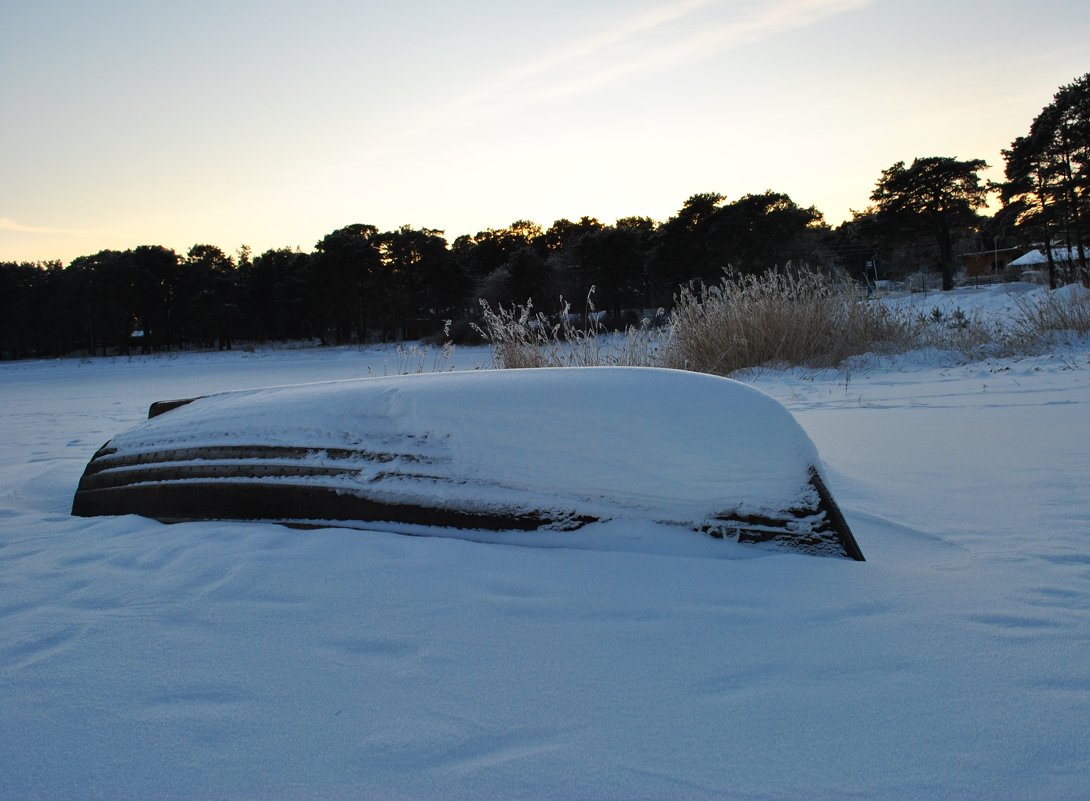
(223, 125)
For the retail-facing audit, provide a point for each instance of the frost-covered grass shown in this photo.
(796, 319)
(1043, 315)
(778, 318)
(520, 337)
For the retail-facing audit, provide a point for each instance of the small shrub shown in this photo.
(958, 331)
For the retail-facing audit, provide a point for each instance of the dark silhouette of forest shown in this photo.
(360, 284)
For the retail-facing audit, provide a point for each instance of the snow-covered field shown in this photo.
(250, 661)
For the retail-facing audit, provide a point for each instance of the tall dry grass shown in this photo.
(789, 317)
(1042, 316)
(792, 317)
(520, 337)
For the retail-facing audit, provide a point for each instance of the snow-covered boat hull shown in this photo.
(490, 451)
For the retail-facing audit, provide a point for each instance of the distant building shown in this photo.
(1036, 259)
(988, 262)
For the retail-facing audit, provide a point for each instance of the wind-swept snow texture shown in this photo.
(250, 661)
(547, 450)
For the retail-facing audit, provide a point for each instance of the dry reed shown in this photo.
(790, 317)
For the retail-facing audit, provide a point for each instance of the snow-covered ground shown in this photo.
(994, 303)
(250, 661)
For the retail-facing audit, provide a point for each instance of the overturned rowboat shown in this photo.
(481, 455)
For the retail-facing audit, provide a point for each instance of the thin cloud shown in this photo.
(638, 45)
(770, 19)
(8, 224)
(667, 35)
(591, 46)
(502, 90)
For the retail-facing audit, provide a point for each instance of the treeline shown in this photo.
(1046, 194)
(928, 212)
(361, 284)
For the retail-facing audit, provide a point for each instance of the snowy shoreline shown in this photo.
(246, 661)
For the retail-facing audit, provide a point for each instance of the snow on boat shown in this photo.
(481, 455)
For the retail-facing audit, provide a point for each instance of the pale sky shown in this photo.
(270, 124)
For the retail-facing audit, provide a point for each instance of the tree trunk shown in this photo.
(946, 256)
(1051, 262)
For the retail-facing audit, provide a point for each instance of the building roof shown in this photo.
(1037, 257)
